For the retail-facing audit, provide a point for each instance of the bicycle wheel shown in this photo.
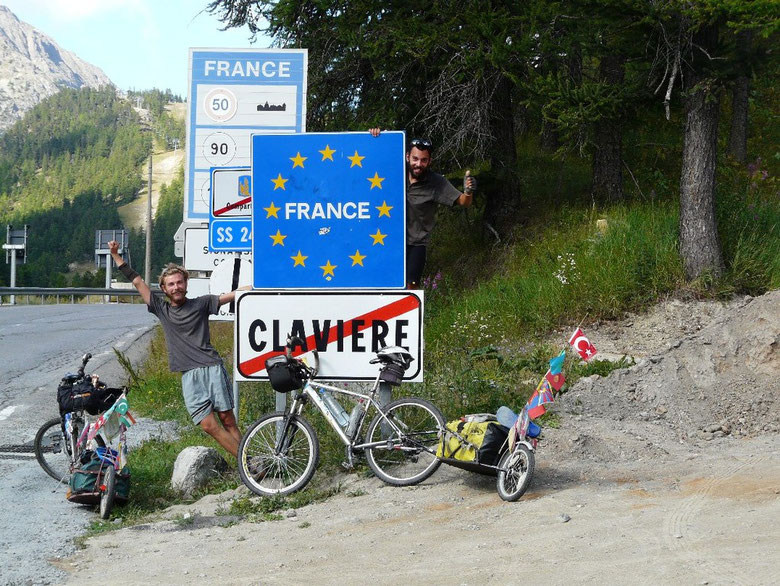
(270, 467)
(107, 490)
(407, 454)
(52, 451)
(515, 471)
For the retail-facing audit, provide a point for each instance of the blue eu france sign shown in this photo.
(328, 210)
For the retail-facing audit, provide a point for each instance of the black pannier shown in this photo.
(285, 374)
(84, 395)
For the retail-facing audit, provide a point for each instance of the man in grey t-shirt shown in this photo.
(205, 384)
(424, 191)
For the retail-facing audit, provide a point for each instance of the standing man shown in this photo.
(424, 190)
(205, 384)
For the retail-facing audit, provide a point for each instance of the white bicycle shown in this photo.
(279, 452)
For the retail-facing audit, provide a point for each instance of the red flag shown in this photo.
(582, 345)
(556, 380)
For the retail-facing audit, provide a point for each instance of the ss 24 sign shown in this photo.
(234, 234)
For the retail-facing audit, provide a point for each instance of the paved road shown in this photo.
(38, 345)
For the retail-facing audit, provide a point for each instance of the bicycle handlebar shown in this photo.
(292, 342)
(84, 360)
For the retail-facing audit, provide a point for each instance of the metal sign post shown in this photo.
(15, 247)
(103, 254)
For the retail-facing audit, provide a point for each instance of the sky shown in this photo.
(139, 44)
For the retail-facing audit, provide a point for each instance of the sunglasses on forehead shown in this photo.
(421, 143)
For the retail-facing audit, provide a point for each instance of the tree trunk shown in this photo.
(503, 204)
(739, 119)
(608, 139)
(737, 146)
(699, 243)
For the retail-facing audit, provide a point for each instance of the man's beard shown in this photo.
(417, 173)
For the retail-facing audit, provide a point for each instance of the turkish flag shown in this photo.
(582, 345)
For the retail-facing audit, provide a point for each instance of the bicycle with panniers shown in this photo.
(279, 452)
(85, 446)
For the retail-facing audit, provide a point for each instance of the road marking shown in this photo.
(6, 413)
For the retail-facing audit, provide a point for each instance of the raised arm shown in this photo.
(127, 271)
(228, 297)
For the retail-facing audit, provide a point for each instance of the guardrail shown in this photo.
(45, 295)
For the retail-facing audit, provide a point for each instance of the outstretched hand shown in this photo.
(469, 183)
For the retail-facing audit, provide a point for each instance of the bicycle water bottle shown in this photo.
(354, 418)
(335, 408)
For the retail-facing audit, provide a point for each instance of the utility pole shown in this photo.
(148, 256)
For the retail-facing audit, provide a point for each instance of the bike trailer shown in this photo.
(473, 442)
(86, 479)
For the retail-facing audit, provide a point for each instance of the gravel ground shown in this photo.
(665, 472)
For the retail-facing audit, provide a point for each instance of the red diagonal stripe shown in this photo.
(387, 312)
(232, 206)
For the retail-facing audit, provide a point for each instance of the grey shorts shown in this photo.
(206, 389)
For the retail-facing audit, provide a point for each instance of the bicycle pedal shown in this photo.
(348, 466)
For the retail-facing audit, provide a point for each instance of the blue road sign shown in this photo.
(235, 93)
(234, 235)
(328, 210)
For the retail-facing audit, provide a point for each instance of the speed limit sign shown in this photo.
(220, 104)
(235, 93)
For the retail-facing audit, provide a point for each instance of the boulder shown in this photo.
(194, 467)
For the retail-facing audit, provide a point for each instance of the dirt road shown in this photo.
(667, 472)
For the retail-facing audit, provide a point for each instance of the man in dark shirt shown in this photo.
(424, 191)
(205, 385)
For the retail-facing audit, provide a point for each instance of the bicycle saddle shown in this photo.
(393, 355)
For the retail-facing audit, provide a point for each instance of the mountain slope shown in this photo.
(34, 67)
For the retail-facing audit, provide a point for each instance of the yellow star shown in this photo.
(327, 153)
(327, 269)
(278, 238)
(279, 182)
(384, 209)
(356, 160)
(274, 211)
(357, 258)
(379, 238)
(299, 258)
(376, 181)
(298, 160)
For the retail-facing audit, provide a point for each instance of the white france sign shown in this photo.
(234, 93)
(346, 329)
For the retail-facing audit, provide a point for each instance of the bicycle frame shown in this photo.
(311, 392)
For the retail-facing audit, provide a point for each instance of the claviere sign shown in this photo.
(346, 329)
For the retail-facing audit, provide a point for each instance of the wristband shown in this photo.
(128, 272)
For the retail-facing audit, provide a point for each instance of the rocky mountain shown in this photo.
(33, 67)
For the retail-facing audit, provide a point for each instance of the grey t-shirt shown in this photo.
(421, 200)
(186, 330)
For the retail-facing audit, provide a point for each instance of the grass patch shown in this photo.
(259, 509)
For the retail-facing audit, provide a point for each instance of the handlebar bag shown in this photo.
(83, 395)
(284, 374)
